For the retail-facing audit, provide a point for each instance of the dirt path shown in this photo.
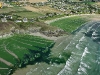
(13, 54)
(6, 62)
(3, 68)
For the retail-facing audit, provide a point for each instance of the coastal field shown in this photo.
(28, 14)
(69, 24)
(7, 10)
(15, 49)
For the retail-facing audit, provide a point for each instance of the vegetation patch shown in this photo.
(69, 24)
(7, 10)
(28, 14)
(20, 50)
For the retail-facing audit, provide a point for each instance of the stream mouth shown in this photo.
(85, 49)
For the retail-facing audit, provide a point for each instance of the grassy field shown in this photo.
(42, 9)
(28, 14)
(20, 12)
(69, 24)
(19, 45)
(7, 10)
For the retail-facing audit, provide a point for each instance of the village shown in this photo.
(20, 14)
(66, 8)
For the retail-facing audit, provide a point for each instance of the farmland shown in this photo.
(69, 24)
(20, 12)
(7, 10)
(27, 14)
(14, 50)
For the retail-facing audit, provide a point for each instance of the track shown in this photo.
(6, 62)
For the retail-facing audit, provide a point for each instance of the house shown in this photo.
(25, 20)
(9, 17)
(31, 20)
(18, 21)
(3, 20)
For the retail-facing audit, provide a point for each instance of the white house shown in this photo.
(25, 20)
(3, 19)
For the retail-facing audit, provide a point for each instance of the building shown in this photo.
(25, 20)
(3, 20)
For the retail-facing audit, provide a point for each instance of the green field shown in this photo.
(20, 12)
(69, 24)
(22, 46)
(7, 10)
(28, 14)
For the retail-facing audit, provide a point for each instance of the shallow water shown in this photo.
(85, 58)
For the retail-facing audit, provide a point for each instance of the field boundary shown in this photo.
(6, 62)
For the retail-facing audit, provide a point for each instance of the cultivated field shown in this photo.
(14, 49)
(7, 10)
(27, 14)
(69, 24)
(42, 9)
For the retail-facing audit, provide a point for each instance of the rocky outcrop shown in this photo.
(30, 30)
(56, 33)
